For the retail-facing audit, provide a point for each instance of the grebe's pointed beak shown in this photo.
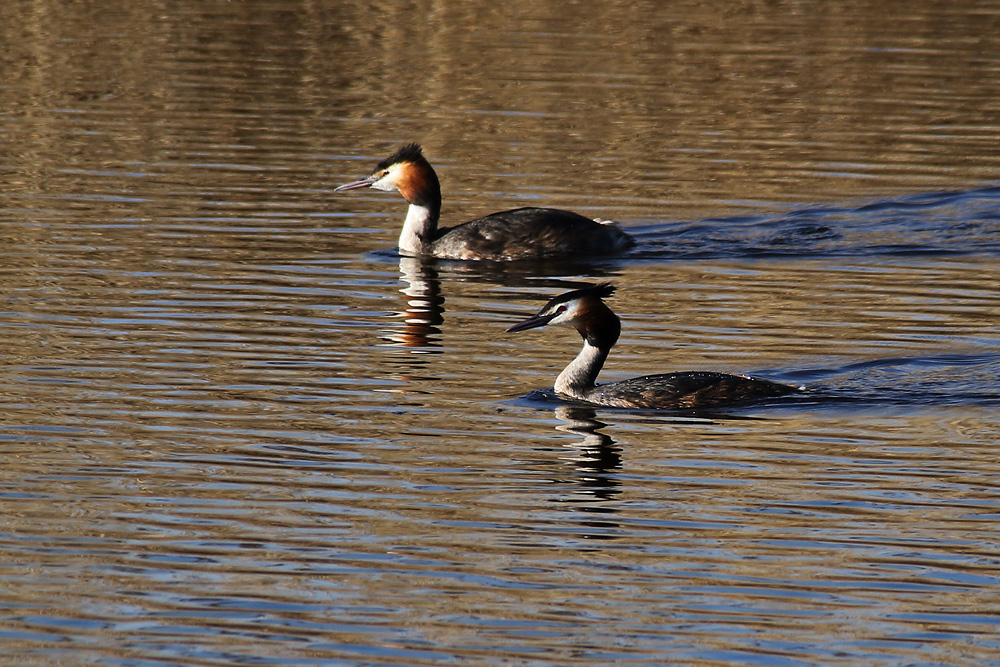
(363, 183)
(532, 323)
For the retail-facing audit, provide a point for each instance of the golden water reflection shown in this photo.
(238, 427)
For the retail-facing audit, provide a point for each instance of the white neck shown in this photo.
(580, 376)
(417, 230)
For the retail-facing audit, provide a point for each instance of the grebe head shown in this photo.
(407, 171)
(584, 309)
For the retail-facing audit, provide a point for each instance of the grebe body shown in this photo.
(585, 310)
(522, 233)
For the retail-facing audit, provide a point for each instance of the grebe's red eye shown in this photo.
(561, 309)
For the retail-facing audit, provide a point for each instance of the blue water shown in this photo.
(933, 223)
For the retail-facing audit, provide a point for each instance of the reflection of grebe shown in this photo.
(600, 328)
(596, 451)
(595, 458)
(523, 233)
(424, 307)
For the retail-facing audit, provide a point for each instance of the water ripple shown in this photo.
(947, 223)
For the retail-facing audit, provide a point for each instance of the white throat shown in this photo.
(418, 229)
(580, 376)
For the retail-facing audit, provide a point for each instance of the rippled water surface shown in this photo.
(238, 428)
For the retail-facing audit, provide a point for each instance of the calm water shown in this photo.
(238, 428)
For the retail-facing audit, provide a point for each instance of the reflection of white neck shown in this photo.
(417, 230)
(412, 272)
(580, 376)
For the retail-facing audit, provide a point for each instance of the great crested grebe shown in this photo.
(600, 328)
(521, 233)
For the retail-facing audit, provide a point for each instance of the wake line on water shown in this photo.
(937, 223)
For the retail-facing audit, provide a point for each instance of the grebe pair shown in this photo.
(518, 234)
(540, 233)
(585, 310)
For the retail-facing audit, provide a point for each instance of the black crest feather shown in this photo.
(600, 291)
(408, 153)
